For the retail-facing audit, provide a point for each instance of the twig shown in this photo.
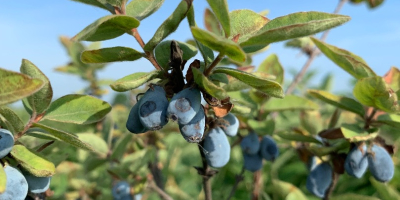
(314, 53)
(34, 118)
(257, 183)
(44, 146)
(157, 175)
(335, 178)
(239, 178)
(149, 55)
(163, 195)
(368, 119)
(213, 64)
(206, 183)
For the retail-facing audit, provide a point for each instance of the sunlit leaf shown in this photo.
(204, 83)
(112, 54)
(140, 9)
(135, 80)
(221, 11)
(245, 23)
(10, 120)
(32, 162)
(271, 65)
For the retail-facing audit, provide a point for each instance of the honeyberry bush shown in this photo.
(244, 138)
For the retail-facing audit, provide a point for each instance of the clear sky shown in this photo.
(30, 30)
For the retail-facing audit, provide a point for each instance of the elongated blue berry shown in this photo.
(36, 184)
(380, 164)
(16, 185)
(356, 161)
(268, 148)
(233, 124)
(250, 144)
(217, 149)
(194, 130)
(184, 105)
(153, 108)
(121, 190)
(133, 124)
(319, 179)
(252, 162)
(6, 142)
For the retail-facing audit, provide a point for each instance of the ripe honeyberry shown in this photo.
(319, 179)
(16, 185)
(36, 184)
(250, 144)
(193, 131)
(184, 105)
(356, 161)
(380, 164)
(252, 162)
(217, 148)
(233, 127)
(133, 124)
(268, 148)
(153, 108)
(121, 191)
(6, 142)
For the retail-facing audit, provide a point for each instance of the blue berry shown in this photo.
(380, 164)
(319, 179)
(233, 127)
(194, 130)
(217, 148)
(121, 190)
(133, 124)
(250, 144)
(356, 161)
(6, 142)
(153, 108)
(268, 148)
(252, 162)
(16, 185)
(184, 105)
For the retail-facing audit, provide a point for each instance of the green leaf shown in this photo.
(350, 196)
(3, 180)
(97, 3)
(163, 52)
(41, 100)
(32, 162)
(107, 27)
(240, 109)
(211, 22)
(116, 3)
(140, 9)
(271, 65)
(134, 80)
(373, 91)
(266, 86)
(220, 8)
(319, 150)
(208, 86)
(169, 25)
(219, 43)
(120, 147)
(297, 137)
(9, 119)
(112, 54)
(385, 191)
(290, 102)
(354, 133)
(77, 109)
(16, 86)
(392, 78)
(351, 63)
(340, 102)
(97, 143)
(65, 137)
(245, 23)
(262, 127)
(292, 26)
(42, 134)
(287, 191)
(390, 119)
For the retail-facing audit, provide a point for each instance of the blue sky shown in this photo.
(30, 30)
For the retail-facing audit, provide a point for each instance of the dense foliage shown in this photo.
(211, 126)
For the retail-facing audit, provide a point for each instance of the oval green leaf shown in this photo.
(169, 25)
(112, 54)
(351, 63)
(219, 43)
(120, 147)
(340, 102)
(245, 23)
(385, 191)
(287, 191)
(140, 9)
(134, 80)
(220, 8)
(290, 102)
(98, 4)
(354, 133)
(65, 137)
(389, 119)
(269, 87)
(32, 162)
(292, 26)
(41, 100)
(208, 86)
(373, 91)
(211, 22)
(107, 27)
(15, 86)
(297, 137)
(97, 143)
(163, 52)
(10, 120)
(77, 109)
(271, 65)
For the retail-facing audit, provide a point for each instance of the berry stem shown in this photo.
(257, 184)
(206, 176)
(239, 178)
(335, 178)
(163, 195)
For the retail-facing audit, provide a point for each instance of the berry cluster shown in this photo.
(254, 151)
(18, 184)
